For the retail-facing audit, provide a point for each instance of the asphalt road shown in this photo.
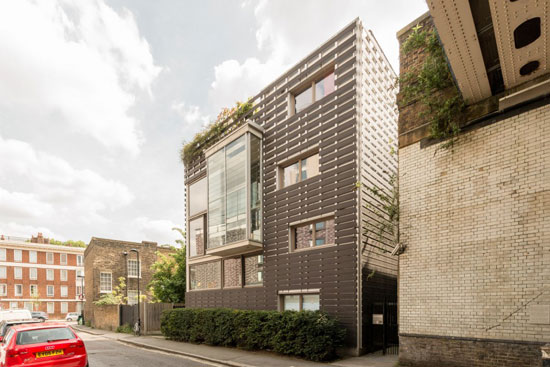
(103, 352)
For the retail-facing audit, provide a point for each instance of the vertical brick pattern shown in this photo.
(476, 221)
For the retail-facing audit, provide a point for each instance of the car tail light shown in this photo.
(17, 352)
(79, 344)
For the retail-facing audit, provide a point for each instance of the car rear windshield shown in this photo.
(43, 335)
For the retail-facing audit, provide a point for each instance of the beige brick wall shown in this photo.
(477, 225)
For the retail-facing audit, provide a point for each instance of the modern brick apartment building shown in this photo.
(40, 277)
(279, 202)
(474, 280)
(106, 260)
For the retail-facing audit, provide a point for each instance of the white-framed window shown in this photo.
(64, 291)
(28, 306)
(105, 282)
(50, 274)
(78, 290)
(133, 268)
(18, 272)
(63, 275)
(3, 289)
(49, 257)
(64, 307)
(34, 290)
(79, 260)
(33, 258)
(79, 273)
(3, 272)
(49, 291)
(51, 307)
(14, 305)
(33, 273)
(132, 297)
(299, 302)
(17, 256)
(2, 254)
(18, 290)
(63, 259)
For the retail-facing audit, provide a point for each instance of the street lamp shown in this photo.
(125, 253)
(139, 315)
(81, 297)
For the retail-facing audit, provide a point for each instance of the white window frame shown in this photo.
(3, 289)
(79, 260)
(16, 270)
(64, 307)
(50, 307)
(15, 287)
(12, 303)
(27, 303)
(48, 287)
(131, 272)
(3, 272)
(61, 256)
(101, 289)
(64, 291)
(30, 289)
(63, 275)
(48, 260)
(34, 258)
(132, 296)
(19, 258)
(31, 271)
(2, 254)
(48, 272)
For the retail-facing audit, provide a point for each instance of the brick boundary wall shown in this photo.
(436, 351)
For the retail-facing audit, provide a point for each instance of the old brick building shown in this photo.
(474, 281)
(280, 202)
(106, 260)
(40, 277)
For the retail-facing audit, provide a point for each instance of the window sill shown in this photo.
(254, 285)
(313, 248)
(203, 290)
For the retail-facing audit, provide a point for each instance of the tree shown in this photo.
(168, 280)
(116, 297)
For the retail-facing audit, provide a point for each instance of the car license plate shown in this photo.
(49, 353)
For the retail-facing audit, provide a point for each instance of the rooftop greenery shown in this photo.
(210, 135)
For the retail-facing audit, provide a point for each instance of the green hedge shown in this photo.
(307, 334)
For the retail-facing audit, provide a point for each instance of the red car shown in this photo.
(44, 344)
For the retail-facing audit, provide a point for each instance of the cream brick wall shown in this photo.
(477, 225)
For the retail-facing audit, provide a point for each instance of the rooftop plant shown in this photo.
(432, 84)
(209, 136)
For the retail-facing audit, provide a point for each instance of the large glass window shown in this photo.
(324, 86)
(197, 197)
(232, 273)
(235, 158)
(315, 91)
(313, 234)
(205, 276)
(253, 269)
(255, 188)
(216, 199)
(303, 99)
(196, 237)
(302, 170)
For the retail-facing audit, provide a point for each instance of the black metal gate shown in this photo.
(381, 327)
(128, 314)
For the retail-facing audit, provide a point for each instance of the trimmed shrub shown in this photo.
(308, 334)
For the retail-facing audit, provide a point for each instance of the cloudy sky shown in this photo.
(97, 96)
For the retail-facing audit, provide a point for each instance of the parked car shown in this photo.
(72, 316)
(38, 344)
(15, 315)
(5, 326)
(39, 315)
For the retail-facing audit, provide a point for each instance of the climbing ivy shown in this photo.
(432, 84)
(209, 136)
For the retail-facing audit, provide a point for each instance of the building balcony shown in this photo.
(236, 248)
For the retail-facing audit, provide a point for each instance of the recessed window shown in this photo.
(301, 170)
(314, 92)
(527, 32)
(17, 256)
(18, 289)
(18, 273)
(312, 234)
(105, 283)
(254, 270)
(64, 291)
(49, 257)
(529, 68)
(232, 273)
(133, 269)
(33, 273)
(49, 274)
(49, 291)
(63, 275)
(3, 272)
(205, 276)
(300, 302)
(132, 297)
(34, 290)
(32, 257)
(14, 305)
(79, 260)
(63, 259)
(50, 307)
(3, 289)
(2, 254)
(196, 236)
(64, 307)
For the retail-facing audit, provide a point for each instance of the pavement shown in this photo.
(233, 357)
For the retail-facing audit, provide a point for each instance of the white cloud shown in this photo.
(157, 230)
(20, 230)
(192, 116)
(44, 187)
(73, 61)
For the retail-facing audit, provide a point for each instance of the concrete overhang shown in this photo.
(237, 248)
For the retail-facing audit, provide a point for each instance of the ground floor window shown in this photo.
(254, 269)
(28, 306)
(64, 307)
(205, 276)
(132, 297)
(232, 273)
(300, 302)
(50, 307)
(14, 305)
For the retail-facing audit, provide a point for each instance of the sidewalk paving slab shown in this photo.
(235, 357)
